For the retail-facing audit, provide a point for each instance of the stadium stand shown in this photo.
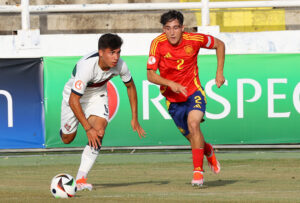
(229, 20)
(245, 19)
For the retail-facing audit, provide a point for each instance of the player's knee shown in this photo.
(193, 126)
(67, 139)
(101, 132)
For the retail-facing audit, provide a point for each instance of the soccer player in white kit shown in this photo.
(85, 100)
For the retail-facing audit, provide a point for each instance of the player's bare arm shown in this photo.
(220, 52)
(132, 95)
(91, 133)
(153, 77)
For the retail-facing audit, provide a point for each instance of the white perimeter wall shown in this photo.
(139, 44)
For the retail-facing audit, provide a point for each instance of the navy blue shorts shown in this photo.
(179, 111)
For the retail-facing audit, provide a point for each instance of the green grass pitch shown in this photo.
(156, 177)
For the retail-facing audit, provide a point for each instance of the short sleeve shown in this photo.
(125, 73)
(154, 56)
(207, 41)
(83, 75)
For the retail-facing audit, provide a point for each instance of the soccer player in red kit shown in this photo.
(174, 53)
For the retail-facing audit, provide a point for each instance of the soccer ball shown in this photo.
(63, 186)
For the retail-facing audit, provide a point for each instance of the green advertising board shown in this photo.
(259, 104)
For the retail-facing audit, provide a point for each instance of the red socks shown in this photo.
(207, 149)
(198, 155)
(198, 159)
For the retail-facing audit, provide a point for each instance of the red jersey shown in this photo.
(178, 63)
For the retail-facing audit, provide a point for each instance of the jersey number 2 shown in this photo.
(180, 62)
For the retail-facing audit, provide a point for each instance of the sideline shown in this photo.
(112, 149)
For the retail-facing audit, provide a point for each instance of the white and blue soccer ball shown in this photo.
(63, 186)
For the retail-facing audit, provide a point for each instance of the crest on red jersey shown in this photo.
(189, 50)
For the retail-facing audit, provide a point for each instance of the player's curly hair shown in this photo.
(109, 40)
(171, 15)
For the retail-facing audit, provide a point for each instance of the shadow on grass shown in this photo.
(219, 182)
(128, 184)
(216, 183)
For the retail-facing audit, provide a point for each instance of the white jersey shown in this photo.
(89, 80)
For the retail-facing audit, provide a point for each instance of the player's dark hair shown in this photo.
(170, 16)
(109, 40)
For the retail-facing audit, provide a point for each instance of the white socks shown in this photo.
(88, 158)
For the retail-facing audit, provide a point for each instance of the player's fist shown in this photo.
(178, 88)
(220, 79)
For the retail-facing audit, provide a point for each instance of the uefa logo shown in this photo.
(113, 99)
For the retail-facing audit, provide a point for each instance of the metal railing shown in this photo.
(204, 5)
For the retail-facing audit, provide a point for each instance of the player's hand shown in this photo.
(220, 79)
(94, 138)
(136, 127)
(178, 88)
